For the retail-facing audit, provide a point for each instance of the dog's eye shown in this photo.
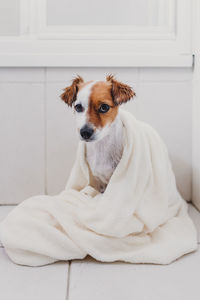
(78, 107)
(104, 108)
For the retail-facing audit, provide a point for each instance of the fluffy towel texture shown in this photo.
(140, 218)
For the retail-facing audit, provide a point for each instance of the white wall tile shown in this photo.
(66, 74)
(42, 283)
(132, 105)
(22, 74)
(22, 141)
(168, 108)
(165, 74)
(62, 139)
(93, 280)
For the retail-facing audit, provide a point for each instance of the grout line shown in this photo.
(68, 280)
(22, 82)
(165, 81)
(64, 81)
(45, 131)
(141, 80)
(138, 93)
(9, 204)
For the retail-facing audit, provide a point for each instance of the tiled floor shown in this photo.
(90, 280)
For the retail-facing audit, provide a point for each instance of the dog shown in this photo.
(96, 105)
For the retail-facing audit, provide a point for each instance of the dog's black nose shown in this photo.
(86, 132)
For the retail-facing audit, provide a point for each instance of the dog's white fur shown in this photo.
(104, 155)
(83, 99)
(105, 151)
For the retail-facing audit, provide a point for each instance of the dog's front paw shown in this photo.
(102, 188)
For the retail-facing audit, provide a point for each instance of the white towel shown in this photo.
(140, 218)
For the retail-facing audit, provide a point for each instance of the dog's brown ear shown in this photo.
(121, 92)
(70, 92)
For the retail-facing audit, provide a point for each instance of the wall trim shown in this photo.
(38, 24)
(94, 60)
(36, 36)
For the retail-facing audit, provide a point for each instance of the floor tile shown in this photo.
(116, 281)
(41, 283)
(93, 280)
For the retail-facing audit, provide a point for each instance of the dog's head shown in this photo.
(96, 104)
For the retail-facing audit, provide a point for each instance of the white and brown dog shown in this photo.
(96, 106)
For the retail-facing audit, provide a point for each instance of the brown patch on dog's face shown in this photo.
(101, 95)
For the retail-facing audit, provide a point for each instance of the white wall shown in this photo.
(95, 12)
(38, 137)
(9, 17)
